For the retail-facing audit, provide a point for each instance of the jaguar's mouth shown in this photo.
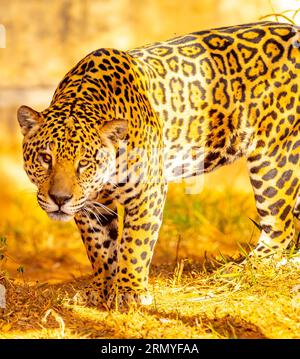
(60, 216)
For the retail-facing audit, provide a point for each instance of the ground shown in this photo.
(43, 265)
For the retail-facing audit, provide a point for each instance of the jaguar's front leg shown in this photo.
(142, 221)
(99, 232)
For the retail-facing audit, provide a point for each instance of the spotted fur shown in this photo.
(123, 124)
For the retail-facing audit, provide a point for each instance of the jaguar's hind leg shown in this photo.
(275, 183)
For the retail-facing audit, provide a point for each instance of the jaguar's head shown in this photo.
(68, 158)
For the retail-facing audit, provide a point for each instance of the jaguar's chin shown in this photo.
(60, 216)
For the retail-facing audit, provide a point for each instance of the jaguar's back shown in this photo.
(221, 93)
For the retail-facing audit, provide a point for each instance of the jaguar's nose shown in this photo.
(60, 199)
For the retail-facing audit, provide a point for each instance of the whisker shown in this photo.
(94, 214)
(99, 213)
(107, 209)
(113, 184)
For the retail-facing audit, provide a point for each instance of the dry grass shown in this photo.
(44, 265)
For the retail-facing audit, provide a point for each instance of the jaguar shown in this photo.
(122, 124)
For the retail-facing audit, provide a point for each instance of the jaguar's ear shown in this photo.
(28, 118)
(114, 130)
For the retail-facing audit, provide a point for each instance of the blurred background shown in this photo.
(40, 41)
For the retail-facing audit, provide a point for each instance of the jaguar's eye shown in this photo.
(83, 163)
(45, 158)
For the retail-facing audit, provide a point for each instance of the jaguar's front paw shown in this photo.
(119, 299)
(124, 299)
(90, 296)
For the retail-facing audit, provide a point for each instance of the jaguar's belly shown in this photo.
(190, 161)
